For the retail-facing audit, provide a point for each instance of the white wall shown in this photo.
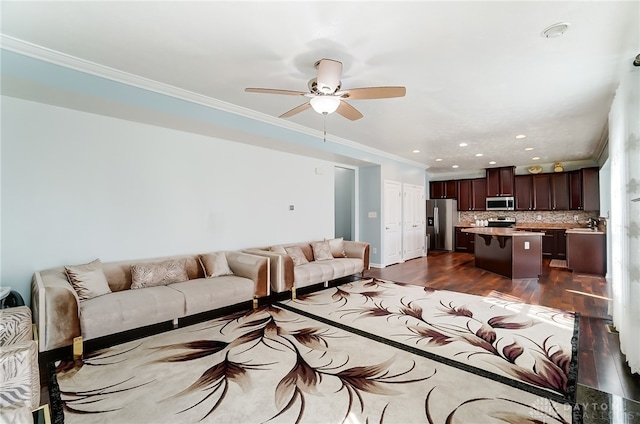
(76, 186)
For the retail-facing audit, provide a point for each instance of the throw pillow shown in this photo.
(297, 255)
(278, 249)
(215, 265)
(88, 280)
(158, 274)
(337, 248)
(321, 251)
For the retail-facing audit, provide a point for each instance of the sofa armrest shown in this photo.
(358, 249)
(253, 267)
(281, 269)
(55, 306)
(20, 376)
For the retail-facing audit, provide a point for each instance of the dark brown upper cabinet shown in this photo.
(500, 181)
(541, 192)
(524, 193)
(479, 194)
(472, 195)
(560, 191)
(584, 189)
(443, 189)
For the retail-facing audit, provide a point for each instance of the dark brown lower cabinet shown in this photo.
(587, 253)
(464, 242)
(561, 244)
(553, 243)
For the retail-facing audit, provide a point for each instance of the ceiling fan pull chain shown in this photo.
(324, 122)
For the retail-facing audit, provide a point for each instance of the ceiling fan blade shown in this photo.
(348, 111)
(296, 110)
(373, 93)
(329, 72)
(275, 91)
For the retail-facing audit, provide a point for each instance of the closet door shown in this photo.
(392, 222)
(413, 221)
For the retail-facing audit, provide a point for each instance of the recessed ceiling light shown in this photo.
(478, 154)
(416, 151)
(535, 158)
(454, 166)
(528, 148)
(519, 136)
(463, 144)
(493, 162)
(439, 160)
(555, 30)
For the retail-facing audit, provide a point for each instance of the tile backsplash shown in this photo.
(540, 217)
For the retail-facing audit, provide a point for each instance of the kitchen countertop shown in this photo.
(498, 231)
(532, 225)
(583, 231)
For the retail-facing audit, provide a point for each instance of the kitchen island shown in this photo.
(507, 251)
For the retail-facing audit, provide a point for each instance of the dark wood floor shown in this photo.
(601, 365)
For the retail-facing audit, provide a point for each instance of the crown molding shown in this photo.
(35, 51)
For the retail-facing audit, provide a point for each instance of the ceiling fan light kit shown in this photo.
(327, 96)
(325, 104)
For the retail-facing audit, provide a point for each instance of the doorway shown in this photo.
(345, 203)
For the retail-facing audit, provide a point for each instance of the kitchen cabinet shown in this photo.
(584, 189)
(443, 189)
(479, 194)
(500, 181)
(586, 252)
(465, 242)
(541, 192)
(464, 195)
(524, 193)
(472, 195)
(561, 244)
(553, 242)
(547, 240)
(560, 191)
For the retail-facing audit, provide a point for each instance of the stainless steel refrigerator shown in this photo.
(442, 216)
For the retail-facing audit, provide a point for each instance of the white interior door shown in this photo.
(392, 222)
(413, 218)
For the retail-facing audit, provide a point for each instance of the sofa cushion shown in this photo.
(319, 271)
(129, 309)
(321, 251)
(214, 264)
(203, 295)
(297, 256)
(158, 274)
(88, 280)
(337, 247)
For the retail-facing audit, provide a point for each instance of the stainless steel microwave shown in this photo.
(500, 203)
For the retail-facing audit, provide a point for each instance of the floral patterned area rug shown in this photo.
(530, 347)
(275, 365)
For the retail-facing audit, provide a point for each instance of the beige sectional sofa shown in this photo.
(291, 270)
(63, 311)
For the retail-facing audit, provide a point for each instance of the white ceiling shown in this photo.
(475, 72)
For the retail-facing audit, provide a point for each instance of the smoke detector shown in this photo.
(555, 30)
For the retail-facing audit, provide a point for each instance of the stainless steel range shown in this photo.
(501, 221)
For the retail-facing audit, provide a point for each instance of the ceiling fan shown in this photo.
(326, 95)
